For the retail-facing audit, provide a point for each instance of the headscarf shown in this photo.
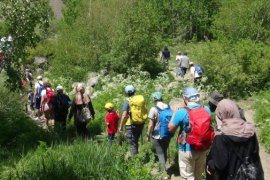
(232, 124)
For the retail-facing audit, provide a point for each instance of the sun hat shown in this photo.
(191, 63)
(109, 106)
(59, 88)
(157, 96)
(129, 89)
(39, 78)
(191, 94)
(215, 97)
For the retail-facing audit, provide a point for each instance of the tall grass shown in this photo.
(81, 160)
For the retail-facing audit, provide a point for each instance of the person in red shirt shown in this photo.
(112, 118)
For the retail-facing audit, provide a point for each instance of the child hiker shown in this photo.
(112, 118)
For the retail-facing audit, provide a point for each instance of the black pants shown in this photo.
(82, 129)
(184, 71)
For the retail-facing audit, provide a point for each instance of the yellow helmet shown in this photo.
(108, 106)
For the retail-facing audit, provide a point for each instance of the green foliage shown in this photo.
(246, 19)
(262, 117)
(17, 130)
(236, 69)
(26, 22)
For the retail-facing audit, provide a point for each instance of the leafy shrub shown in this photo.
(17, 130)
(262, 117)
(236, 69)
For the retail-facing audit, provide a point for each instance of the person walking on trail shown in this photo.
(159, 118)
(194, 121)
(213, 99)
(177, 59)
(184, 64)
(235, 152)
(60, 105)
(196, 71)
(37, 94)
(166, 55)
(46, 103)
(133, 117)
(82, 110)
(112, 118)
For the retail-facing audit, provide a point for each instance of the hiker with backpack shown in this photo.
(47, 95)
(235, 151)
(196, 72)
(133, 117)
(184, 64)
(195, 135)
(111, 120)
(37, 94)
(82, 109)
(60, 105)
(159, 118)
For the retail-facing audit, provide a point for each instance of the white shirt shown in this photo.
(193, 72)
(178, 57)
(37, 84)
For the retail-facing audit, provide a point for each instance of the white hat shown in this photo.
(39, 78)
(59, 88)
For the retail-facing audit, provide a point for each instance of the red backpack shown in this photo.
(49, 95)
(201, 133)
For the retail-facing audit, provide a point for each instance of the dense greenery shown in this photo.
(26, 22)
(262, 117)
(229, 38)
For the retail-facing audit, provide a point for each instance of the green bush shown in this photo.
(17, 130)
(262, 117)
(236, 69)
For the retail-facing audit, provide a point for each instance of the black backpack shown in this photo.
(248, 169)
(62, 103)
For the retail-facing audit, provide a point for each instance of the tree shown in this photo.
(26, 22)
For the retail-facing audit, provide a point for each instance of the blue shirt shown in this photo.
(181, 119)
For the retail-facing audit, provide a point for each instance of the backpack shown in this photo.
(199, 133)
(138, 111)
(248, 168)
(62, 103)
(40, 88)
(199, 69)
(49, 95)
(165, 116)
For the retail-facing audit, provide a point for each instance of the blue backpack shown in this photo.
(40, 88)
(199, 69)
(165, 116)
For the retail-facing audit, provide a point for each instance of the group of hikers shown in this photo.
(57, 107)
(183, 64)
(225, 148)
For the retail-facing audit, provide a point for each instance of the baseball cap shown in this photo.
(215, 97)
(157, 96)
(191, 94)
(39, 78)
(129, 89)
(59, 88)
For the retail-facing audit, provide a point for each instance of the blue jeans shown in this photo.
(111, 138)
(133, 133)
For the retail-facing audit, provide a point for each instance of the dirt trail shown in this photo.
(57, 6)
